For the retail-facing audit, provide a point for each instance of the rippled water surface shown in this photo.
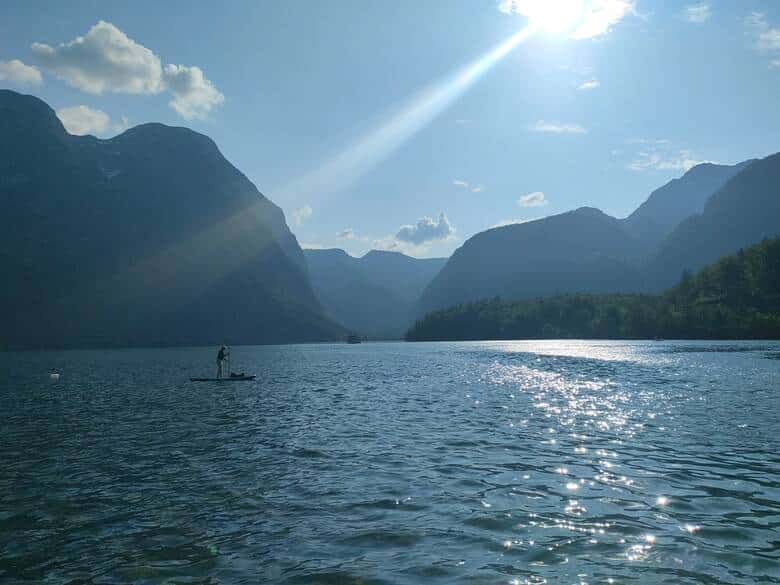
(501, 462)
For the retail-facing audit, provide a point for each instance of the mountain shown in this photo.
(583, 250)
(148, 238)
(742, 212)
(405, 276)
(587, 251)
(373, 295)
(678, 199)
(738, 297)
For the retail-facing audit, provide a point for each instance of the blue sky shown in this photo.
(359, 119)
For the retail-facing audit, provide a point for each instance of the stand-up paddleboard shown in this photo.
(231, 378)
(242, 377)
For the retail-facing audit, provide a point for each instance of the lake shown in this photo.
(487, 462)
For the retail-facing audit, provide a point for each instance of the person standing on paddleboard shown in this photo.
(221, 357)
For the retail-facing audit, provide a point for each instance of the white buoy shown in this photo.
(54, 376)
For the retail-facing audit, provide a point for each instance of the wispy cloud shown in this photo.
(698, 13)
(346, 234)
(18, 72)
(587, 85)
(557, 128)
(660, 156)
(105, 59)
(651, 141)
(302, 214)
(593, 18)
(535, 199)
(466, 185)
(601, 16)
(766, 38)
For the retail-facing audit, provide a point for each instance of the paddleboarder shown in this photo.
(221, 357)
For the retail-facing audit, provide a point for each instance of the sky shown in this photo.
(412, 125)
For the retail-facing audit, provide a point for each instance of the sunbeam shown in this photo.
(369, 150)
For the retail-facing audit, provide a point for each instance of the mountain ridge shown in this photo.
(148, 238)
(373, 294)
(586, 250)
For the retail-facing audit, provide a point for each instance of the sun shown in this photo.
(551, 16)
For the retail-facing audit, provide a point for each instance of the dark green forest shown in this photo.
(737, 297)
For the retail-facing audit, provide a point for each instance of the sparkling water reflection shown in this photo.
(501, 462)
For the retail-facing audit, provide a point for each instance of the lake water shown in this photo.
(494, 462)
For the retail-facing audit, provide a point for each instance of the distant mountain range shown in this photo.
(744, 211)
(737, 297)
(711, 211)
(153, 238)
(678, 199)
(584, 250)
(148, 238)
(374, 295)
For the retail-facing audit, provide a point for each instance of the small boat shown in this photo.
(353, 338)
(230, 378)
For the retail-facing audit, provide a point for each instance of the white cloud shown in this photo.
(698, 13)
(81, 120)
(557, 128)
(590, 84)
(302, 214)
(390, 243)
(107, 60)
(766, 38)
(194, 95)
(664, 159)
(346, 234)
(588, 19)
(470, 186)
(535, 199)
(426, 230)
(16, 71)
(312, 246)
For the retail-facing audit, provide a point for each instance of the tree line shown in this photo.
(737, 297)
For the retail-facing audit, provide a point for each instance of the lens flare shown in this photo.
(400, 125)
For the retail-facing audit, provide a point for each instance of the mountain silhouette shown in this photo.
(742, 212)
(711, 211)
(148, 238)
(583, 250)
(374, 295)
(678, 199)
